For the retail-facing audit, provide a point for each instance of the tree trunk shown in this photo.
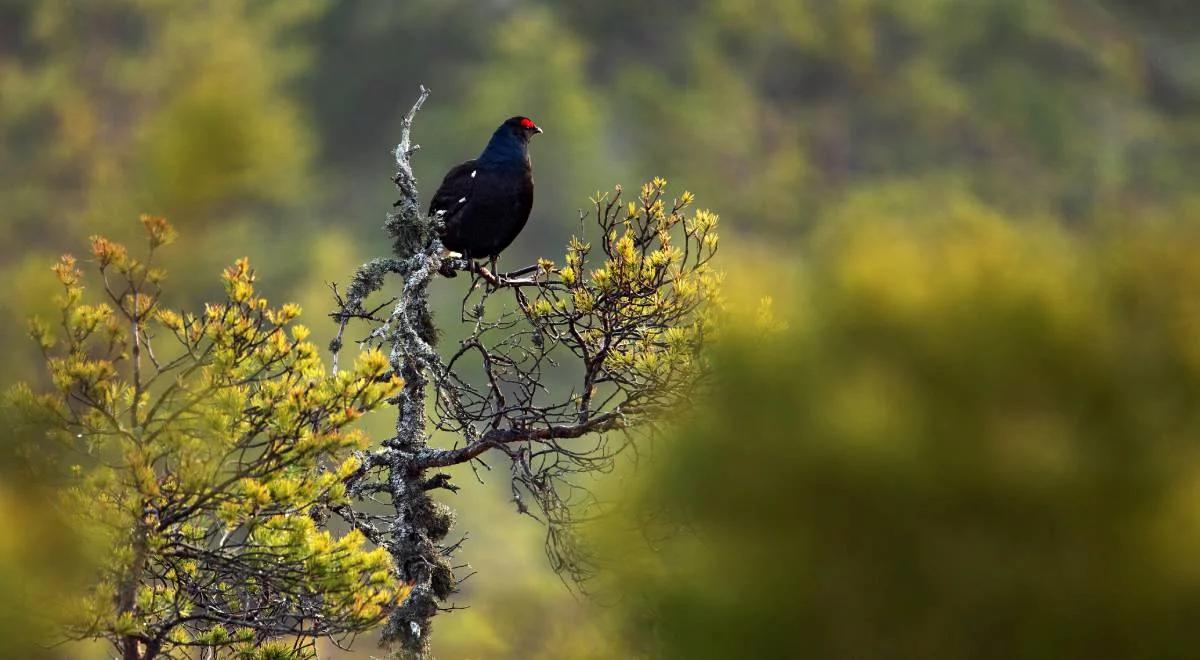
(419, 523)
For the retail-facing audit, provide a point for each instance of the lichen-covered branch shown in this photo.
(416, 524)
(562, 368)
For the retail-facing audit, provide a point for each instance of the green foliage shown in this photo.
(273, 651)
(778, 108)
(131, 103)
(960, 438)
(119, 106)
(791, 116)
(40, 560)
(643, 311)
(208, 444)
(784, 105)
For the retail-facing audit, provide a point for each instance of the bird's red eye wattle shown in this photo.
(526, 122)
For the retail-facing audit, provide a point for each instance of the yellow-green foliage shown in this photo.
(177, 107)
(973, 438)
(645, 306)
(206, 444)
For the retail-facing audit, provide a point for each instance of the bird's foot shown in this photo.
(487, 276)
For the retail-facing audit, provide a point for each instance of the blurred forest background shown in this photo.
(971, 426)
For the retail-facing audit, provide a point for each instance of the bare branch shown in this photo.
(562, 369)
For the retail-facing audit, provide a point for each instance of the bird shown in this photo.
(485, 202)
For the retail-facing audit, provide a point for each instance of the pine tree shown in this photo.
(208, 443)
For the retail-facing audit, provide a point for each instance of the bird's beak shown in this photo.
(538, 129)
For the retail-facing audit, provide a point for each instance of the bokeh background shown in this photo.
(966, 426)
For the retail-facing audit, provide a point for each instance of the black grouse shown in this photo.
(485, 202)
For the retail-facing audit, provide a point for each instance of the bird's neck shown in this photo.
(504, 149)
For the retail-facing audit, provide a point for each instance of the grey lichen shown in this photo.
(417, 523)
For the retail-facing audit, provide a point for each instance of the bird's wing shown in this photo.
(454, 192)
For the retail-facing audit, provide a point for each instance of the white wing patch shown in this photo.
(473, 173)
(461, 200)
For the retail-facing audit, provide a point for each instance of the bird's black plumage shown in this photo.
(485, 202)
